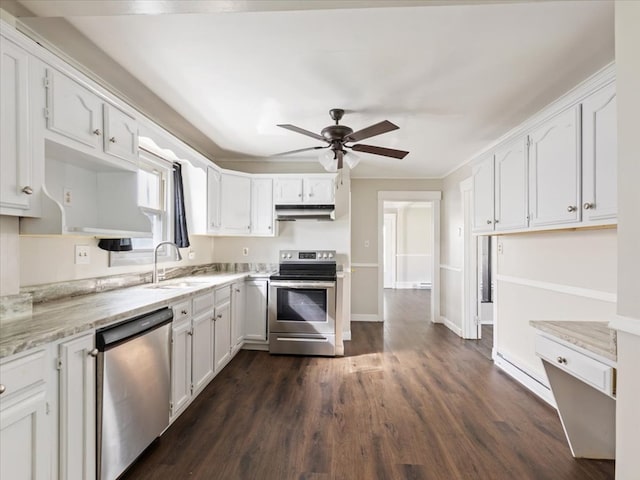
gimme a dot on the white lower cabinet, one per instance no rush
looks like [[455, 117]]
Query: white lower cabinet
[[180, 366], [238, 300], [77, 408], [222, 353], [25, 440], [255, 316], [202, 344]]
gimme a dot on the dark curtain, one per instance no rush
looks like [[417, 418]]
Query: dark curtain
[[181, 236], [115, 244]]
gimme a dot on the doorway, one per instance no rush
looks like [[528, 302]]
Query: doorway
[[389, 237]]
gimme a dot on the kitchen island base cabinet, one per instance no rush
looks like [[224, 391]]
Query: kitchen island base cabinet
[[77, 408], [25, 442]]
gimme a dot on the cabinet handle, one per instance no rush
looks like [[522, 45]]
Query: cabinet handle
[[237, 290], [183, 312], [190, 333], [93, 353], [2, 389], [588, 206], [561, 360], [218, 316], [299, 195], [112, 139], [27, 190], [97, 132], [495, 221], [311, 194], [269, 227], [489, 222], [571, 208]]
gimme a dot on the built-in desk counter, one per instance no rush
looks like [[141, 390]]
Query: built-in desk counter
[[580, 361]]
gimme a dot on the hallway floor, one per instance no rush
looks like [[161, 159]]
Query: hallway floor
[[410, 400]]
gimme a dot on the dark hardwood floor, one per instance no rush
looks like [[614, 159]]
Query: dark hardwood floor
[[410, 400]]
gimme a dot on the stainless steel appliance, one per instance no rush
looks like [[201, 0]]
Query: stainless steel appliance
[[302, 303], [133, 389]]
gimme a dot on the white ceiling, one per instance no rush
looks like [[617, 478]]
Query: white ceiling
[[453, 78]]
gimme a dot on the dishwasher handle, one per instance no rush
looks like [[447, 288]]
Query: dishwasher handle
[[112, 336]]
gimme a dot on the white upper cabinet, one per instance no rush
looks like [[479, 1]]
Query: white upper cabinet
[[511, 186], [599, 155], [554, 170], [483, 213], [214, 185], [78, 114], [288, 190], [319, 190], [120, 134], [316, 189], [235, 204], [17, 187], [262, 207]]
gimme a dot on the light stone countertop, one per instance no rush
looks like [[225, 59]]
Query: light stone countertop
[[595, 337], [62, 318]]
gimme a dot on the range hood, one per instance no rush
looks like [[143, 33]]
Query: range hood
[[288, 213]]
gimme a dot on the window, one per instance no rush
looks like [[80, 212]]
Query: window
[[154, 193]]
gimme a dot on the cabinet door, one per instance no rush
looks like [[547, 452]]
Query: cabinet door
[[554, 170], [16, 185], [511, 195], [483, 214], [77, 409], [287, 190], [238, 299], [599, 155], [120, 134], [255, 318], [222, 335], [319, 191], [73, 111], [202, 350], [213, 200], [180, 366], [235, 202], [262, 206]]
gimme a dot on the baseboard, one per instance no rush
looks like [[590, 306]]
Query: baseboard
[[525, 379], [365, 317], [412, 286], [486, 322], [346, 336], [451, 326], [264, 347]]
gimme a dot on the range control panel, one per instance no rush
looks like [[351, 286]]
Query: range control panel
[[303, 256]]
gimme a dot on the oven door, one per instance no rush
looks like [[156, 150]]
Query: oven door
[[297, 306]]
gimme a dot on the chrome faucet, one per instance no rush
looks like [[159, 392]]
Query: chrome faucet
[[154, 278]]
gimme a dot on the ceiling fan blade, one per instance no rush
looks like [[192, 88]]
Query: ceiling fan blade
[[293, 128], [300, 150], [386, 152], [377, 129]]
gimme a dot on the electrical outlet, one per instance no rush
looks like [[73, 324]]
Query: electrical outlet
[[82, 255], [500, 248], [366, 244], [67, 197], [191, 254], [245, 251]]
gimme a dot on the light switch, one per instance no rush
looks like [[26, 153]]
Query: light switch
[[245, 251], [82, 255]]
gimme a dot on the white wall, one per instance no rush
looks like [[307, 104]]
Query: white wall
[[9, 256], [628, 80]]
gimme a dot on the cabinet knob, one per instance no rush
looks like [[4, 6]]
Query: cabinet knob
[[112, 139], [183, 312], [269, 227], [219, 316], [311, 194], [588, 206], [299, 195], [190, 333], [93, 353], [2, 389], [561, 360], [97, 132], [27, 190], [488, 222], [571, 208], [495, 221]]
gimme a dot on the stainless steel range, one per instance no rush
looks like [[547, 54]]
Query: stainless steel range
[[302, 303]]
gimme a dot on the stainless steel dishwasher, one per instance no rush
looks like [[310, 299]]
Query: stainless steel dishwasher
[[133, 389]]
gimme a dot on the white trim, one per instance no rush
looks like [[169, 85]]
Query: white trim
[[412, 286], [410, 195], [365, 317], [626, 324], [364, 265], [346, 336], [450, 268], [451, 326], [526, 378], [413, 254], [469, 280], [559, 288]]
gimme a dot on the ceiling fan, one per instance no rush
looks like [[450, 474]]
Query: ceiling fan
[[338, 136]]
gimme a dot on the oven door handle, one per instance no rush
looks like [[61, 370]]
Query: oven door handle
[[302, 284]]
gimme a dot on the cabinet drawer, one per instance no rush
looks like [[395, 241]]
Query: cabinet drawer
[[223, 294], [202, 303], [23, 372], [181, 311], [590, 371]]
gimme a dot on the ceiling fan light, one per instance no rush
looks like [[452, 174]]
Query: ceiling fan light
[[328, 161], [352, 159]]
